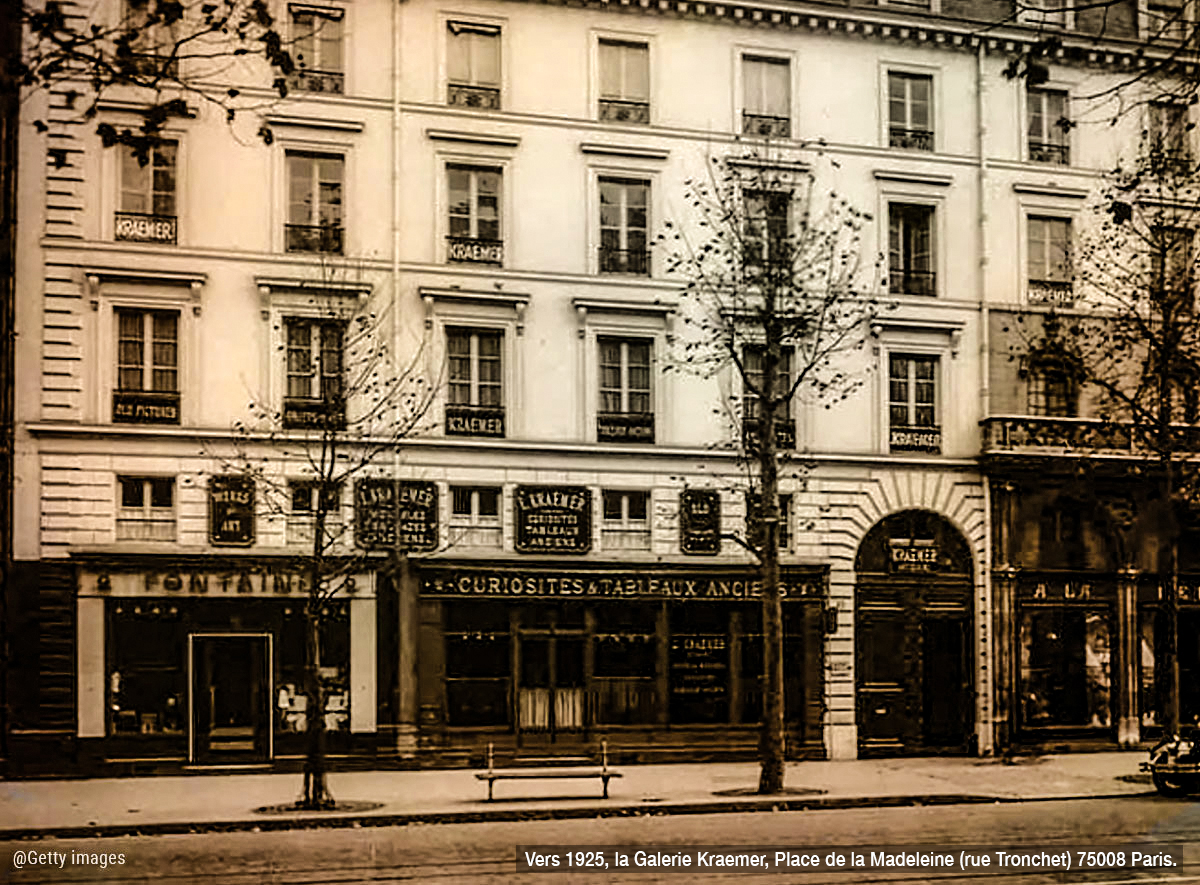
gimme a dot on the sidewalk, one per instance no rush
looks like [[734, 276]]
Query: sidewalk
[[228, 802]]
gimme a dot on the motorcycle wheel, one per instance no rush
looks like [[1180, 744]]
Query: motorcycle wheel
[[1170, 785]]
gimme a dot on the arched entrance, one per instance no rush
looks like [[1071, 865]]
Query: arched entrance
[[913, 635]]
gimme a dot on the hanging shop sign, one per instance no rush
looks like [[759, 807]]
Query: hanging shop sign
[[700, 521], [553, 519], [231, 511], [391, 514], [568, 583]]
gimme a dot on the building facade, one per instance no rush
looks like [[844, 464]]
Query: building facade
[[488, 181]]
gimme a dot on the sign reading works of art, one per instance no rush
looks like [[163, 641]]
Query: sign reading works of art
[[390, 514], [700, 521], [231, 511], [582, 584], [553, 519]]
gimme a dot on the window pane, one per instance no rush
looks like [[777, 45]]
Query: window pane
[[458, 56], [489, 502], [637, 505], [460, 498], [612, 505], [135, 184], [610, 71], [161, 492], [637, 73], [486, 57], [131, 492]]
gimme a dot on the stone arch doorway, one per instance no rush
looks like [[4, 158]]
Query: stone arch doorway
[[914, 631]]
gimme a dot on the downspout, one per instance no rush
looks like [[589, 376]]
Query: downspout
[[987, 689]]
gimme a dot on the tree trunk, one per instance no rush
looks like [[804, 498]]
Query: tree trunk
[[1170, 605], [316, 789]]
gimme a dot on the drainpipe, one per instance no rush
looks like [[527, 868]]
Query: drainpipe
[[986, 734]]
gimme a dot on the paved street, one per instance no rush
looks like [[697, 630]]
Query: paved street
[[486, 852]]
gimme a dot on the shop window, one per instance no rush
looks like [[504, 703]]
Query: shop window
[[699, 664], [1047, 126], [766, 97], [624, 222], [913, 404], [626, 524], [315, 203], [148, 213], [1065, 676], [147, 367], [475, 404], [752, 377], [317, 50], [473, 66], [475, 516], [147, 691], [473, 228], [304, 503], [625, 655], [754, 525], [624, 82], [478, 665], [910, 111], [314, 374], [290, 702], [1151, 629], [910, 253], [147, 508], [625, 413]]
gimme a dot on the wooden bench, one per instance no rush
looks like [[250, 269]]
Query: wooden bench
[[548, 772]]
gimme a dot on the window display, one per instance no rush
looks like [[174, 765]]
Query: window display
[[1065, 675]]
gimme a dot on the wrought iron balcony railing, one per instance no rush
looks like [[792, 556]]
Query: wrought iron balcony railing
[[1043, 152], [313, 238], [1060, 293], [910, 139], [1066, 436], [613, 110], [330, 82], [142, 227], [766, 126], [480, 98], [912, 282], [631, 261]]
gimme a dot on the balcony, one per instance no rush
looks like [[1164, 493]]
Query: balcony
[[313, 238], [140, 227], [766, 126], [464, 420], [477, 98], [1041, 435], [926, 439], [628, 261], [912, 282], [302, 413], [1041, 152], [614, 110], [474, 250], [910, 139], [625, 427], [1058, 293], [328, 82]]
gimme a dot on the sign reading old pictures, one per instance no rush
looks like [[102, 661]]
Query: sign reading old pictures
[[700, 521], [553, 519], [142, 407], [231, 511], [390, 514]]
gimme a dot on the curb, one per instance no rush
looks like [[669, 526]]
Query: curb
[[509, 815]]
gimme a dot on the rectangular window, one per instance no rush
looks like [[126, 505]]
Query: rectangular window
[[1049, 13], [1048, 126], [146, 508], [152, 44], [768, 229], [754, 525], [624, 222], [475, 403], [1168, 140], [314, 396], [785, 427], [912, 404], [317, 51], [147, 390], [304, 498], [473, 65], [1049, 245], [474, 234], [624, 82], [147, 212], [475, 516], [626, 524], [1167, 21], [910, 111], [315, 207], [1052, 392], [625, 413], [766, 97], [910, 249], [1171, 269]]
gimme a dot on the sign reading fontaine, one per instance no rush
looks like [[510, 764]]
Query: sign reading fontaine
[[553, 519]]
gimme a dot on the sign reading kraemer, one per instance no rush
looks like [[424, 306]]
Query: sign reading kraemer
[[553, 519]]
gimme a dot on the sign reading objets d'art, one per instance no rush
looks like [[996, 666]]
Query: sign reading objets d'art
[[231, 511], [700, 521], [391, 514], [553, 519]]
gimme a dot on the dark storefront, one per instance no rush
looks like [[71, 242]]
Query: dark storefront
[[558, 655]]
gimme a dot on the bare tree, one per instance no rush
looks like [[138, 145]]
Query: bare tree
[[350, 401], [775, 287]]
